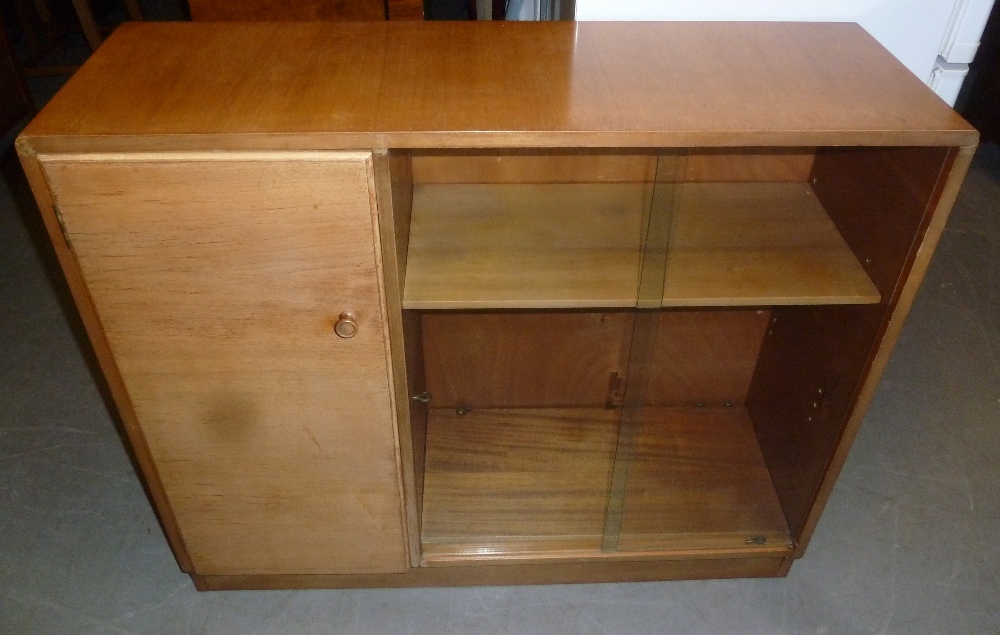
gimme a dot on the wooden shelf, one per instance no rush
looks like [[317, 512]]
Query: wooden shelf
[[533, 484], [698, 481], [746, 244], [524, 245], [577, 245]]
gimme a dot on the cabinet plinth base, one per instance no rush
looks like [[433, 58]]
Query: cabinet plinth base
[[503, 575]]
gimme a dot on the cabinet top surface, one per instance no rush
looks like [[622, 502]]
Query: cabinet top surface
[[483, 84]]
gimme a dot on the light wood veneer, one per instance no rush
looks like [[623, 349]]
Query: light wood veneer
[[218, 299], [219, 194], [533, 485], [553, 84], [476, 246]]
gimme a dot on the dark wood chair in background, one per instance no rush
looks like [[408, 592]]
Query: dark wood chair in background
[[37, 20], [288, 10], [44, 24], [15, 101]]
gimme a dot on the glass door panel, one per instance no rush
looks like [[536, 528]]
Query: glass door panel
[[657, 225], [523, 273]]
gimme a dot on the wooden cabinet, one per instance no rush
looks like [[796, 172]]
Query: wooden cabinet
[[372, 321]]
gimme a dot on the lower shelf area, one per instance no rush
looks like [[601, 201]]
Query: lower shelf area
[[533, 484]]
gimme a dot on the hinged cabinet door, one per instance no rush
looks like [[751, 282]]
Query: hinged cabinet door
[[241, 297]]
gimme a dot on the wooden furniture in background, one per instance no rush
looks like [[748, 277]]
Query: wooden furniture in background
[[88, 23], [44, 28], [15, 101], [291, 10], [371, 321]]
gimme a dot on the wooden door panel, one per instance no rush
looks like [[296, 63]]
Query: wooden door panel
[[218, 279]]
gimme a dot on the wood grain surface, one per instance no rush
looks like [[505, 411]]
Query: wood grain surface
[[218, 278], [532, 166], [940, 200], [830, 349], [524, 359], [212, 238], [759, 244], [525, 245], [152, 483], [748, 165], [561, 245], [502, 481], [607, 166], [753, 565], [487, 84], [532, 483], [704, 357], [496, 360], [698, 481]]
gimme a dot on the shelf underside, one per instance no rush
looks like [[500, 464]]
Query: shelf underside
[[533, 484], [485, 246]]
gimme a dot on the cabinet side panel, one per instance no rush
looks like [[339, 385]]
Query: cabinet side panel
[[940, 201], [814, 360], [218, 281], [102, 351]]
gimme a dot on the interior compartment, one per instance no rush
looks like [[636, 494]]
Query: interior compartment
[[521, 277], [523, 422], [568, 230]]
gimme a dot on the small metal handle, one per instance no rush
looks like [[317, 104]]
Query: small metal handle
[[422, 397], [347, 325]]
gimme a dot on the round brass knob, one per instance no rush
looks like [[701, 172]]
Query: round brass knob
[[347, 325]]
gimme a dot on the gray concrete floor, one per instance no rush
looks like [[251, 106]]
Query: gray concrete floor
[[910, 542]]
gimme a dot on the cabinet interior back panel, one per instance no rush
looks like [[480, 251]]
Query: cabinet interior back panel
[[715, 165], [523, 360], [218, 281], [496, 360]]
